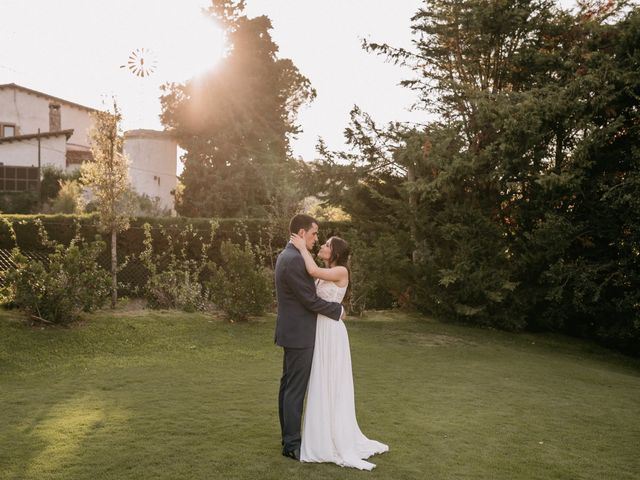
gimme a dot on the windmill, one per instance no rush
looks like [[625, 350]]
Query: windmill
[[142, 64]]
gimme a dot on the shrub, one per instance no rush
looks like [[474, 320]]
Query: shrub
[[69, 282], [175, 288], [381, 273], [18, 202], [53, 178], [240, 286], [69, 198], [175, 277]]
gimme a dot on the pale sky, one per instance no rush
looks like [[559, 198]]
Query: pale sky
[[73, 49]]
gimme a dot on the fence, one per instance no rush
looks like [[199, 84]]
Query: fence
[[133, 276], [130, 243]]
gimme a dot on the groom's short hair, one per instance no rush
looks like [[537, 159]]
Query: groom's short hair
[[301, 221]]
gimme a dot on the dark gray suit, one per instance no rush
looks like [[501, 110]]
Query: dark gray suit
[[298, 306]]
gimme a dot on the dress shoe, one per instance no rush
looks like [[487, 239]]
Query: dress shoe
[[295, 453]]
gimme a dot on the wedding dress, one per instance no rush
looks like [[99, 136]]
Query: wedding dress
[[330, 430]]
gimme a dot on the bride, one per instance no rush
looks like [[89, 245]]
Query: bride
[[330, 430]]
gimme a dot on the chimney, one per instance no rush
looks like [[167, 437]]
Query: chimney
[[54, 117]]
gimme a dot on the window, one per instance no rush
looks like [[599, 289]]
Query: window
[[7, 130], [18, 179]]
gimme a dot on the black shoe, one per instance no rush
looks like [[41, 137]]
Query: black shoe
[[295, 453]]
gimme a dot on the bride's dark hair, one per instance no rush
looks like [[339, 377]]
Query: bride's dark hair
[[340, 252]]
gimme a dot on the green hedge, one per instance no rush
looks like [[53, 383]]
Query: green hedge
[[379, 271], [130, 242], [62, 229]]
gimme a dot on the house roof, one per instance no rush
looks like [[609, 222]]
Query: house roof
[[145, 133], [45, 95], [78, 157], [19, 138]]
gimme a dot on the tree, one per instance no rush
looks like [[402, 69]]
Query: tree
[[519, 197], [236, 121], [108, 178]]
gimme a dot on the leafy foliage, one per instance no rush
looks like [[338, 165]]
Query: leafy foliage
[[380, 273], [69, 198], [240, 286], [18, 202], [108, 177], [235, 123], [175, 277], [57, 290], [108, 174], [520, 198]]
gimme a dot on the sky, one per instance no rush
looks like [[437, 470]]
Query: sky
[[74, 49]]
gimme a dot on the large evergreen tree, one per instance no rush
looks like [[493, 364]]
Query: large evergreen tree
[[236, 121], [520, 197]]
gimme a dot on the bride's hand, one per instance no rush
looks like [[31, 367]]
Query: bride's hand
[[298, 242]]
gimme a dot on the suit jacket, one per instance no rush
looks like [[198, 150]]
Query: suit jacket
[[298, 303]]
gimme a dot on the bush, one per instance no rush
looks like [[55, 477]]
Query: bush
[[381, 272], [18, 202], [240, 286], [463, 270], [68, 200], [69, 282], [177, 289], [174, 277], [131, 241], [53, 178]]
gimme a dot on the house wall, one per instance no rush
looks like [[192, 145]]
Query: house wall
[[30, 112], [152, 154], [25, 153], [152, 157]]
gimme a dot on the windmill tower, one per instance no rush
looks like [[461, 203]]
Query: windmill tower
[[141, 65], [153, 154]]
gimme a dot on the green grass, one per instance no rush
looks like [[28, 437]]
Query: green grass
[[167, 395]]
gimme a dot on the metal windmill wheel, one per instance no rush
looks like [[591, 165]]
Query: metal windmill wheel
[[141, 63]]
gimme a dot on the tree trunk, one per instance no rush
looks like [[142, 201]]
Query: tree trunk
[[413, 209], [114, 268]]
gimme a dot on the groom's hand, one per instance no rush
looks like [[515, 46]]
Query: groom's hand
[[344, 314]]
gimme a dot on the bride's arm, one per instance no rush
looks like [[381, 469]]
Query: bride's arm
[[333, 274]]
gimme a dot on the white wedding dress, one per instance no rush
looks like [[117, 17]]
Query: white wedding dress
[[330, 431]]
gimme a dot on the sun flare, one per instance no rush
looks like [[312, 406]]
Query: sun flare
[[196, 45]]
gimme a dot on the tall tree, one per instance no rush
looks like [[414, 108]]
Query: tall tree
[[442, 181], [235, 122], [108, 178], [521, 201]]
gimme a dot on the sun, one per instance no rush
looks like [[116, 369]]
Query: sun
[[197, 44]]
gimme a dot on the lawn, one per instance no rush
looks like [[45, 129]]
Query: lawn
[[167, 395]]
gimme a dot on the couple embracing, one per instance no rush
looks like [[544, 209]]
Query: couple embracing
[[317, 360]]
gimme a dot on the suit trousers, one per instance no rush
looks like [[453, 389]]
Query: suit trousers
[[296, 368]]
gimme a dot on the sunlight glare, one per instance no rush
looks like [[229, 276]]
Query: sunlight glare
[[195, 46]]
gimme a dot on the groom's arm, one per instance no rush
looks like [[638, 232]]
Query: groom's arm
[[305, 291]]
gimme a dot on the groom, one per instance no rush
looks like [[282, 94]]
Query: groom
[[298, 306]]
